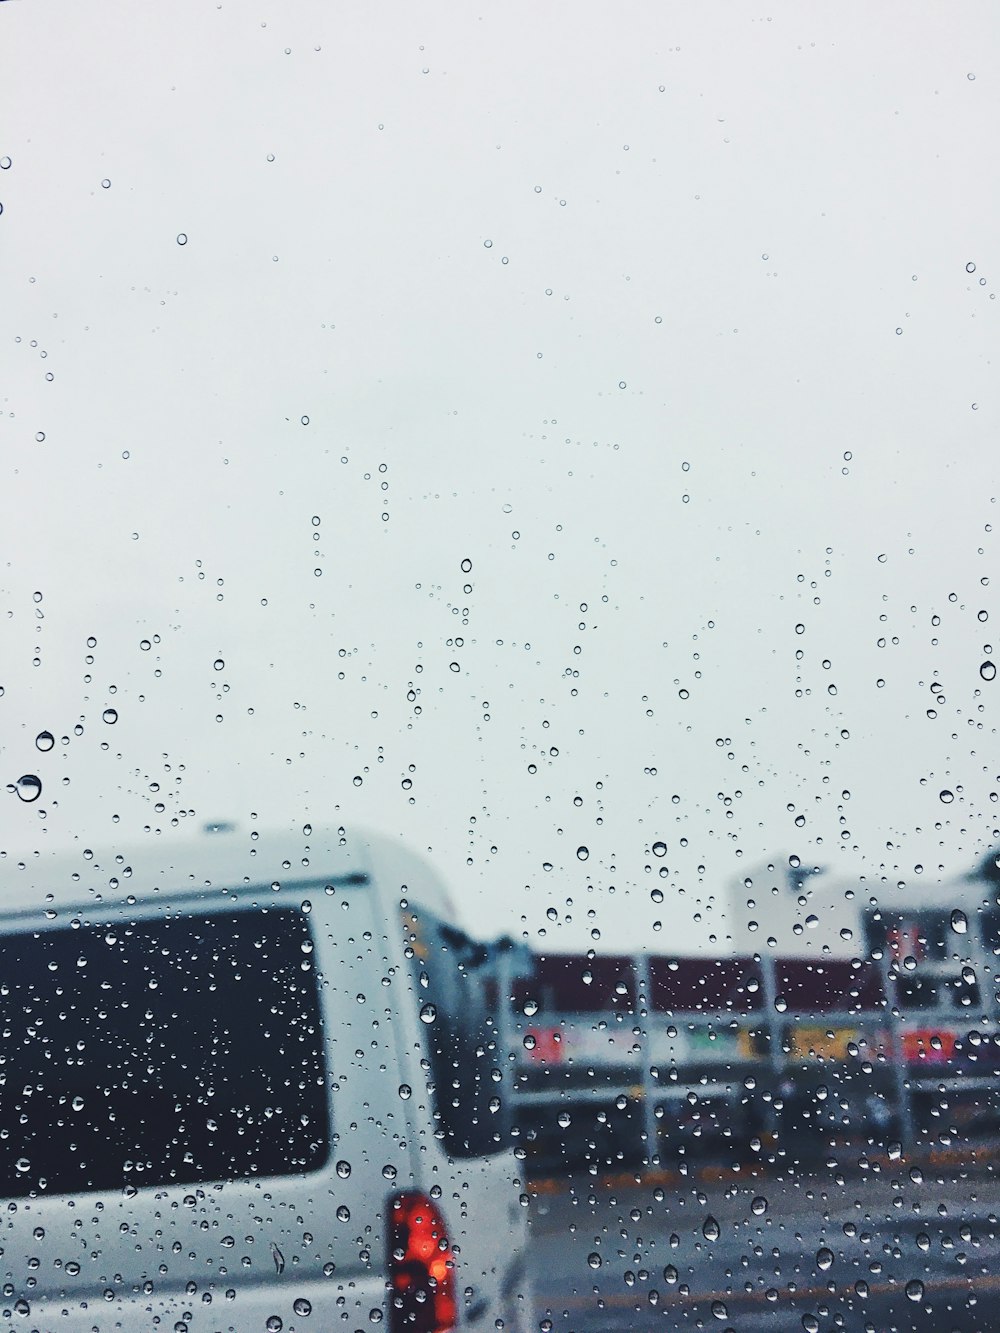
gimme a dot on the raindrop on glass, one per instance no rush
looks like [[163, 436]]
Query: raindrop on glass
[[44, 740], [28, 787]]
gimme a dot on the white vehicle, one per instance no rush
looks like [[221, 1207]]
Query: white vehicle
[[250, 1083]]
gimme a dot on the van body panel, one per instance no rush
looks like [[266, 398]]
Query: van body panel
[[227, 1253]]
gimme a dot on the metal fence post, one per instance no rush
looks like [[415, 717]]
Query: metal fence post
[[644, 1015], [897, 1055], [775, 1055]]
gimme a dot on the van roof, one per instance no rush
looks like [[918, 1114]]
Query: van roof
[[221, 856]]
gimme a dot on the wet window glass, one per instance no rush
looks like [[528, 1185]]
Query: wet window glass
[[453, 991], [148, 1052], [511, 491]]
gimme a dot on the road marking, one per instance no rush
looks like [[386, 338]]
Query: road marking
[[870, 1166], [621, 1300]]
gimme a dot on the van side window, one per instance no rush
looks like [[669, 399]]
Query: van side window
[[460, 1039], [160, 1051]]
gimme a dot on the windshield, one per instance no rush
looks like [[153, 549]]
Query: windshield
[[552, 449]]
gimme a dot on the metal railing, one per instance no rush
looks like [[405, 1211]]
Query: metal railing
[[879, 1067]]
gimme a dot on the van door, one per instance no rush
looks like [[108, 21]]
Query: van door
[[200, 1121]]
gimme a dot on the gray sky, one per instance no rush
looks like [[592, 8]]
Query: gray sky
[[663, 317]]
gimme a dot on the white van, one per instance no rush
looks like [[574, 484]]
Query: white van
[[250, 1083]]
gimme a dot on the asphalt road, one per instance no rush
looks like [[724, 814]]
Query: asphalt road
[[779, 1255]]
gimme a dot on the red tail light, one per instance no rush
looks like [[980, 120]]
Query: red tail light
[[421, 1267]]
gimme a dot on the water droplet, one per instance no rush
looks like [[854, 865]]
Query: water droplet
[[428, 1013], [758, 1205], [959, 921], [719, 1310], [44, 740], [274, 1324], [582, 853], [970, 267], [659, 849], [594, 1259], [810, 1323], [302, 1307], [988, 670], [77, 1103], [530, 1008], [710, 1229], [28, 787], [564, 1119], [218, 664], [182, 238], [110, 716], [670, 1274], [466, 566], [23, 1165], [824, 1258], [343, 1169], [405, 1092], [278, 1257], [914, 1289], [946, 797]]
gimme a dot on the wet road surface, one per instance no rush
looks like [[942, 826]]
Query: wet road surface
[[768, 1255]]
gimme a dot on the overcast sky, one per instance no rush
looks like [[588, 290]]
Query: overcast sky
[[675, 322]]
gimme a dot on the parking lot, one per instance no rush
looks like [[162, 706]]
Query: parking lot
[[787, 1252]]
